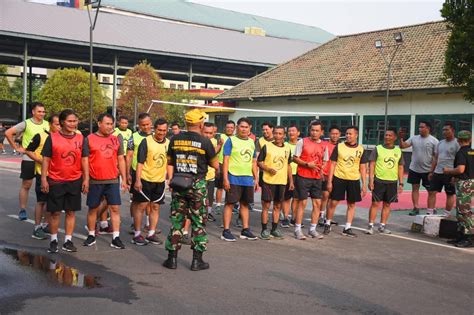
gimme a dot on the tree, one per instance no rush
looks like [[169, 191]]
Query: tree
[[4, 87], [143, 83], [17, 90], [459, 60], [175, 113], [69, 88]]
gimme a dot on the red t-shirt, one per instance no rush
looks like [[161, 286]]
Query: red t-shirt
[[103, 156], [312, 152]]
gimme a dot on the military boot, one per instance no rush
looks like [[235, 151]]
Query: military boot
[[172, 261], [198, 263]]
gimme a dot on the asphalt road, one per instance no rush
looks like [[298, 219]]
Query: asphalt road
[[405, 273]]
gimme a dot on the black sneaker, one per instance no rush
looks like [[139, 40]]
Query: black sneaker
[[327, 229], [292, 222], [154, 239], [414, 212], [53, 247], [69, 247], [348, 232], [210, 217], [285, 223], [247, 235], [89, 241], [117, 243], [139, 240]]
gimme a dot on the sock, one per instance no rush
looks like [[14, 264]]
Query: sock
[[328, 222], [151, 232], [103, 224], [147, 220], [322, 215], [67, 238], [218, 204], [312, 227], [137, 233], [44, 225], [348, 226], [297, 227], [115, 234], [54, 237], [274, 226], [264, 226], [382, 225], [38, 227], [371, 224], [92, 233]]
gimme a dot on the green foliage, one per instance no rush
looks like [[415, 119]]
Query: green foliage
[[459, 61], [69, 88], [17, 90], [4, 87], [175, 113]]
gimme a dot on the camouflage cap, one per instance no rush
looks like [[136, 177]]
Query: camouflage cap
[[464, 135]]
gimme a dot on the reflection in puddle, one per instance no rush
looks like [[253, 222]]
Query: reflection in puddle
[[55, 271]]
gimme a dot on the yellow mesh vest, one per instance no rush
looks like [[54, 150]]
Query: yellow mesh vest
[[137, 139], [386, 165], [294, 166], [154, 168], [221, 152], [276, 158], [241, 157], [348, 162], [211, 172], [126, 135], [31, 129], [43, 136]]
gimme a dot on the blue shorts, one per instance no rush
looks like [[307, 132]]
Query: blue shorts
[[111, 193]]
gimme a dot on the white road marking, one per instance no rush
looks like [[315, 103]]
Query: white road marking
[[430, 243], [10, 170], [77, 235]]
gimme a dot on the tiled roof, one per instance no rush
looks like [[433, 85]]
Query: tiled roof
[[352, 64]]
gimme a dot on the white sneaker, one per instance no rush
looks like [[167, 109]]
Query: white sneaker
[[299, 235], [370, 230], [315, 234]]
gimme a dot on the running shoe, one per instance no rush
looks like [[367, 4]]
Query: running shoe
[[139, 240], [247, 235], [117, 243], [464, 243], [154, 239], [106, 230], [315, 234], [39, 234], [46, 229], [327, 229], [414, 212], [265, 235], [348, 232], [53, 247], [228, 236], [285, 223], [89, 241], [384, 230], [69, 247], [370, 230], [210, 217], [292, 222], [22, 216], [277, 234], [218, 210], [321, 222], [299, 235]]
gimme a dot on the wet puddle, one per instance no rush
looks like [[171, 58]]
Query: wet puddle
[[54, 271]]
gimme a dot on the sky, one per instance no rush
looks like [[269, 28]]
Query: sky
[[339, 17]]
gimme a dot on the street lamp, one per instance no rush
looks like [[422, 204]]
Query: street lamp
[[398, 37], [92, 22]]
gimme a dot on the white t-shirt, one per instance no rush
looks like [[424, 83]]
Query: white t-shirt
[[424, 149]]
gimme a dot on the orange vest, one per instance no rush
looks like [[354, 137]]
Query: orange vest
[[103, 160], [312, 152], [66, 158]]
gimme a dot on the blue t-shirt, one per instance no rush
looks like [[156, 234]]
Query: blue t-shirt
[[238, 180]]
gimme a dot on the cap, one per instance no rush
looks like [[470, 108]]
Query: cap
[[464, 135], [195, 116]]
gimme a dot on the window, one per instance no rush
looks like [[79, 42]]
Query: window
[[105, 80], [341, 121], [373, 132], [461, 122], [119, 81], [257, 124], [173, 86], [193, 86], [180, 86]]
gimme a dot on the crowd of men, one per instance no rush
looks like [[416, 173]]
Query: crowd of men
[[196, 162]]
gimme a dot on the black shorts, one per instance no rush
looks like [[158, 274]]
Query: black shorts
[[64, 196], [219, 178], [239, 193], [133, 174], [415, 178], [384, 191], [111, 193], [438, 181], [305, 186], [343, 187], [274, 193], [40, 196], [210, 192], [27, 169], [324, 185], [151, 192], [290, 193]]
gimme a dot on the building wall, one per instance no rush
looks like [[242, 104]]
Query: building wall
[[405, 110]]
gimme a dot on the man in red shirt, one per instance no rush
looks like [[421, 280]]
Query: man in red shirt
[[106, 160], [64, 173], [311, 156]]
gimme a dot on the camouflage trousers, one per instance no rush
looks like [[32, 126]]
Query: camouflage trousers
[[464, 193], [190, 204]]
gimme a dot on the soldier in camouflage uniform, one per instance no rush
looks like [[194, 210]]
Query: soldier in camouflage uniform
[[464, 179], [189, 155]]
